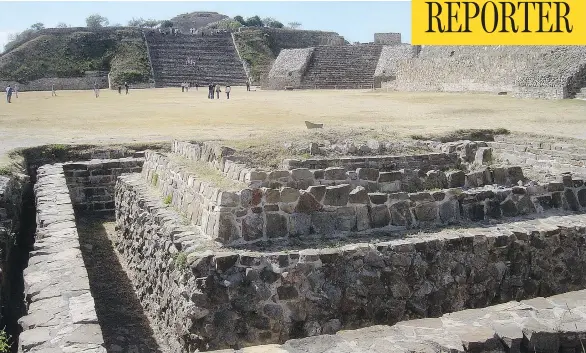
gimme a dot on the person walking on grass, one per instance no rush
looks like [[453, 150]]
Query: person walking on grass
[[119, 89], [228, 89], [210, 91], [9, 91], [126, 87], [53, 93], [96, 89], [16, 91], [218, 91], [247, 86]]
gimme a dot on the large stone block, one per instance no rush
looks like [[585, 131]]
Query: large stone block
[[426, 212], [276, 225], [388, 177], [362, 217], [252, 226], [401, 214], [337, 195], [323, 222], [335, 173], [289, 195], [317, 191], [456, 178], [302, 174], [307, 203], [346, 218], [449, 211], [367, 174], [299, 224], [358, 195], [379, 216]]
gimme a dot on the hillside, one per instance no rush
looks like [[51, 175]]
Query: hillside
[[71, 52]]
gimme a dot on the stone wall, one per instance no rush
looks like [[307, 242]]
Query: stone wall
[[543, 159], [11, 191], [232, 299], [91, 184], [441, 161], [553, 72], [387, 38], [513, 327], [289, 68], [299, 203], [62, 83], [386, 69], [61, 314]]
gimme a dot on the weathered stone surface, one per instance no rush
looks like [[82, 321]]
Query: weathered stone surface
[[379, 216], [572, 200], [335, 173], [307, 203], [276, 225], [289, 195], [317, 191], [387, 177], [337, 195], [252, 226], [368, 174], [401, 214], [456, 178], [301, 174], [272, 196], [426, 212], [299, 224], [359, 195], [56, 279], [378, 198], [346, 218]]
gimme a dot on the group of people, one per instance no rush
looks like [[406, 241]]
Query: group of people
[[212, 87]]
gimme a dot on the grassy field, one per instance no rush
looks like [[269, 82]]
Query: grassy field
[[269, 116]]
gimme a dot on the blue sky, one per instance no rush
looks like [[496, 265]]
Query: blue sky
[[357, 21]]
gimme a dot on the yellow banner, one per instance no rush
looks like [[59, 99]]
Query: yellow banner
[[482, 22]]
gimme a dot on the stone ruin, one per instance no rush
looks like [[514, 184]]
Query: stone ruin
[[549, 72], [451, 250]]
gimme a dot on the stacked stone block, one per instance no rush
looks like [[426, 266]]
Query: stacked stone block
[[242, 298], [91, 184], [61, 314]]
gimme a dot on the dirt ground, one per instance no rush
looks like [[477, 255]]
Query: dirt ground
[[36, 118]]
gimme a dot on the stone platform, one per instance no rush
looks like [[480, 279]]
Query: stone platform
[[546, 325]]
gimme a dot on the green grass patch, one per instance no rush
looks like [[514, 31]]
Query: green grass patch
[[180, 260], [257, 49], [5, 344], [463, 134], [167, 200]]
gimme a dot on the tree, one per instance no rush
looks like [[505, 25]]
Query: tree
[[240, 19], [254, 21], [62, 25], [151, 23], [136, 22], [276, 24], [37, 26], [294, 25], [96, 21], [166, 24], [267, 21]]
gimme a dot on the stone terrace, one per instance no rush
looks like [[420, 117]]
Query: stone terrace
[[554, 324], [196, 59], [343, 66]]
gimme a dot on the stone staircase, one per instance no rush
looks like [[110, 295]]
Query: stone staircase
[[581, 94], [196, 59], [342, 67]]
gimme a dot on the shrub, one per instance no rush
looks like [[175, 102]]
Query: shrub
[[168, 200], [180, 259], [5, 345]]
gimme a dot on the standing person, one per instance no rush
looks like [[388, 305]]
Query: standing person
[[119, 89], [183, 87], [9, 91], [228, 89], [247, 86], [126, 87], [53, 93], [211, 91], [16, 91], [218, 91], [196, 86], [96, 89]]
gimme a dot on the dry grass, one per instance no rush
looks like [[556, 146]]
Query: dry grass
[[163, 114], [204, 171]]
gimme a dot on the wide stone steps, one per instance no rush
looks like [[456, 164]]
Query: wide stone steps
[[343, 66], [189, 58]]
